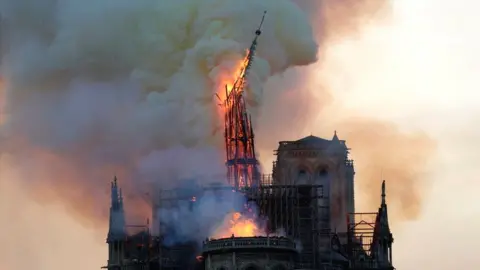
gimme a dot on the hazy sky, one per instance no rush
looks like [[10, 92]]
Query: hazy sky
[[420, 70]]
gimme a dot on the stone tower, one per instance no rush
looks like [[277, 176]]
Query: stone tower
[[316, 161], [116, 231]]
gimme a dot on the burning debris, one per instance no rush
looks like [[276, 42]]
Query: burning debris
[[238, 225]]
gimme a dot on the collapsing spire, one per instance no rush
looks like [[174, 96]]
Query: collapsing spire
[[239, 136], [116, 229]]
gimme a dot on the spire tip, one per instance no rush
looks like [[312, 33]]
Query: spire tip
[[383, 192], [259, 30]]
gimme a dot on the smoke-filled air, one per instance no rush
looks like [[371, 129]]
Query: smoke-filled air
[[92, 89], [128, 88]]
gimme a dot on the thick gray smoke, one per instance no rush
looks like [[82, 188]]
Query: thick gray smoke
[[201, 216], [95, 88]]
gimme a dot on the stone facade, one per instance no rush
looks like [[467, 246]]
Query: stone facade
[[316, 161], [249, 253], [310, 195]]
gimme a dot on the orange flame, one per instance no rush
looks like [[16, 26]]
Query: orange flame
[[239, 226], [227, 80]]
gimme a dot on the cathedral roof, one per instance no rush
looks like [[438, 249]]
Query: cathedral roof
[[313, 140]]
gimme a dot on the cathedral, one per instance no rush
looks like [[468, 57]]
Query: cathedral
[[310, 196]]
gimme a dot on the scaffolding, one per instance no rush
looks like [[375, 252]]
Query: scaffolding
[[361, 230], [172, 256], [136, 250], [298, 212], [301, 212]]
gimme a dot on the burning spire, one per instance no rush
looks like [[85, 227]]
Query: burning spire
[[241, 162]]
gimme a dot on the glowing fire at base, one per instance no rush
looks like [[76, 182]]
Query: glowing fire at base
[[238, 225]]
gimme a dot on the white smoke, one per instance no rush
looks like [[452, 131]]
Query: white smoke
[[188, 220], [102, 87]]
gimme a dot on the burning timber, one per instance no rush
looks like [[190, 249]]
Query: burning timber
[[306, 215]]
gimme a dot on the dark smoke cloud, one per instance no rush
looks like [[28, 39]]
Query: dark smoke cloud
[[97, 88], [100, 88]]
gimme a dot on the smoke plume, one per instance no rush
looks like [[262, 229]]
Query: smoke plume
[[213, 213], [96, 88], [304, 100]]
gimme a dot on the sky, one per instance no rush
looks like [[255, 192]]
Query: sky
[[419, 70]]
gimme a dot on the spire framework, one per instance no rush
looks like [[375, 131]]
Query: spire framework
[[242, 164]]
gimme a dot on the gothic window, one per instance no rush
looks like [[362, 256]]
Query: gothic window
[[302, 177], [322, 176], [323, 172]]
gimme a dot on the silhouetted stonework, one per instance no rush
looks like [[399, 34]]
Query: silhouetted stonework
[[246, 253]]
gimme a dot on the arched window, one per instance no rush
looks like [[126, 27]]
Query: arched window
[[322, 176], [323, 172], [302, 177]]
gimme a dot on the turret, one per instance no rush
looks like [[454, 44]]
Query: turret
[[335, 137], [116, 228], [383, 239], [116, 231]]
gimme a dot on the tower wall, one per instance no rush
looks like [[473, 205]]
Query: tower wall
[[316, 161]]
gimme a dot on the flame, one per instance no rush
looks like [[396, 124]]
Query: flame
[[228, 80], [239, 226]]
